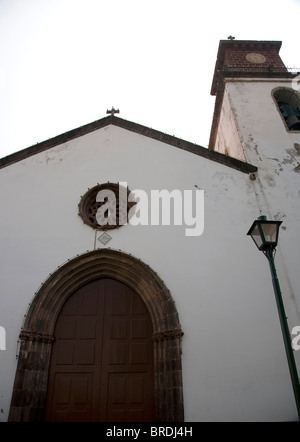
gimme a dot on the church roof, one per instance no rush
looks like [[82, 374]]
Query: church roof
[[133, 127]]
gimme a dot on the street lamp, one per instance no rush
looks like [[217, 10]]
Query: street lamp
[[265, 235]]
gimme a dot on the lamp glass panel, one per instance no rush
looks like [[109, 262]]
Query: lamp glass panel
[[256, 236], [270, 232]]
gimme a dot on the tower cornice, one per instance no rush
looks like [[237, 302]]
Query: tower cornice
[[233, 59]]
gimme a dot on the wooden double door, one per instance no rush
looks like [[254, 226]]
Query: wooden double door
[[102, 359]]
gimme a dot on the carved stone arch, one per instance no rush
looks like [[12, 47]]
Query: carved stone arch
[[288, 104], [30, 387]]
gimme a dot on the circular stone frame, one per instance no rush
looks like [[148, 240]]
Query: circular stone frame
[[89, 206]]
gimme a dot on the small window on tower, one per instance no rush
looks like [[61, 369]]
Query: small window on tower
[[288, 101]]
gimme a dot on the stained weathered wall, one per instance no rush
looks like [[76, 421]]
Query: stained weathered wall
[[233, 360]]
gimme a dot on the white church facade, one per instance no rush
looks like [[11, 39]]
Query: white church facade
[[130, 290]]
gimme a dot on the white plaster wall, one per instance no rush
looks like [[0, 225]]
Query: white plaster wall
[[268, 145], [228, 140], [250, 112], [234, 365]]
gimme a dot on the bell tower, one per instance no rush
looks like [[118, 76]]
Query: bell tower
[[257, 107]]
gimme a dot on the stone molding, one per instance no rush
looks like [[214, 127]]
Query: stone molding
[[31, 380], [38, 337]]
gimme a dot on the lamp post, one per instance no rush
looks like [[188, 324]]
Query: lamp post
[[265, 235]]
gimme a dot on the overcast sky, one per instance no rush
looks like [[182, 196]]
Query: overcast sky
[[63, 63]]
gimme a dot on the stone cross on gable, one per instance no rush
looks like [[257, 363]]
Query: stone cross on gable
[[113, 111]]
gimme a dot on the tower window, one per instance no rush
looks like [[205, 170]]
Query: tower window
[[288, 101]]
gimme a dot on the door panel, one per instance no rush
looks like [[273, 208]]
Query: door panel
[[73, 397], [102, 359], [128, 398]]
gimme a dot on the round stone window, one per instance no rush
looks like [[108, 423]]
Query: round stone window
[[105, 206]]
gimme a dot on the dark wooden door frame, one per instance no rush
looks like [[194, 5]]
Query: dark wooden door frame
[[30, 386]]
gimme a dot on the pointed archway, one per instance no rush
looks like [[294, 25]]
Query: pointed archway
[[37, 335]]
